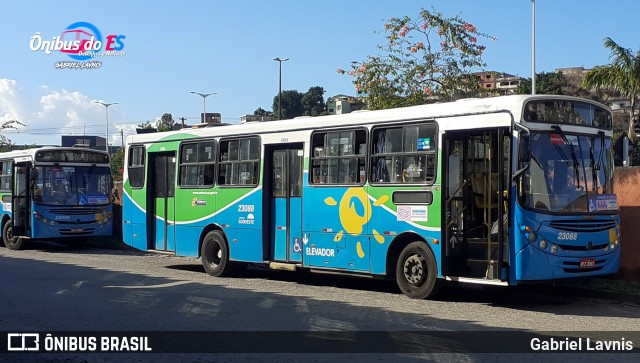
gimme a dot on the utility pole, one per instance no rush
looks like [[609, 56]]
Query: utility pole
[[122, 137], [533, 47], [183, 119], [106, 107], [204, 103], [280, 60]]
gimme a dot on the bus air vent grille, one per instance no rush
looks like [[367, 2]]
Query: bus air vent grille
[[583, 226], [75, 212]]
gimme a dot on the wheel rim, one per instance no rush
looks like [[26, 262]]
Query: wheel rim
[[214, 258], [415, 269], [9, 237]]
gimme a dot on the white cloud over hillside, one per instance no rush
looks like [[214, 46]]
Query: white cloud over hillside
[[47, 114]]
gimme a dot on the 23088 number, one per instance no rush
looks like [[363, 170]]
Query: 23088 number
[[567, 236], [246, 208]]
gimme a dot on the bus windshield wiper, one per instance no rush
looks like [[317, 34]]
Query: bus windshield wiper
[[602, 146], [573, 152], [594, 167]]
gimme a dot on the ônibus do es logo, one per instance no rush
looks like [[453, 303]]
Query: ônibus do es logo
[[83, 43]]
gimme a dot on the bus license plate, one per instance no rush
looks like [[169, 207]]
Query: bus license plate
[[77, 230], [587, 263]]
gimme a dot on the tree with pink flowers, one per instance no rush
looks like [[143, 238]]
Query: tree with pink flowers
[[427, 59]]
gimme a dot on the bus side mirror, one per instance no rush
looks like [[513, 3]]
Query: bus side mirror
[[524, 149]]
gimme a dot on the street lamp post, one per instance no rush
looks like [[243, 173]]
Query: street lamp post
[[106, 107], [280, 60], [533, 47], [204, 103]]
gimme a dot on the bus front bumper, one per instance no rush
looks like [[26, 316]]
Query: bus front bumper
[[534, 264]]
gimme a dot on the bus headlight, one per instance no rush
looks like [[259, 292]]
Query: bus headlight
[[554, 248], [529, 233], [53, 223], [542, 244], [37, 215], [45, 221]]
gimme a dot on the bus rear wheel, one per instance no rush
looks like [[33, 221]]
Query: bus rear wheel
[[416, 271], [10, 241], [215, 255]]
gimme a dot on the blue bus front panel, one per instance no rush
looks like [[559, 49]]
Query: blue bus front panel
[[553, 247], [59, 222]]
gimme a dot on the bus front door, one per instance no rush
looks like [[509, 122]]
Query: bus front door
[[285, 180], [161, 218], [476, 177], [21, 200]]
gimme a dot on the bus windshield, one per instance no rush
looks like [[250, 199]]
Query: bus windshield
[[72, 185], [569, 173]]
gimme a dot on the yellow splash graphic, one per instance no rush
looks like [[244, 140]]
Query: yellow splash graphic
[[383, 199], [353, 222], [379, 238], [330, 201], [359, 250]]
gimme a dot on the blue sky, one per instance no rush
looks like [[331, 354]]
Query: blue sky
[[227, 46]]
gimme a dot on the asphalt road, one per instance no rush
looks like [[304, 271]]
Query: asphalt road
[[54, 288]]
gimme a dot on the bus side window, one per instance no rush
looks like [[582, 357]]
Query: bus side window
[[403, 154], [338, 157]]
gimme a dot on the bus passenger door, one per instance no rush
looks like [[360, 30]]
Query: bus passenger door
[[476, 179], [21, 200], [162, 197], [285, 181]]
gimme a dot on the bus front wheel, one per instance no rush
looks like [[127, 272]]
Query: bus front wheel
[[416, 271], [10, 241], [215, 255]]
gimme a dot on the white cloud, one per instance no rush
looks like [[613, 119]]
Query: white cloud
[[14, 102], [53, 113]]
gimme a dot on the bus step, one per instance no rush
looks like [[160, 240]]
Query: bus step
[[481, 281], [477, 250], [162, 252], [283, 266], [482, 268]]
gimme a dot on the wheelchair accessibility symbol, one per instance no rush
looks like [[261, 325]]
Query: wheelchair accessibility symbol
[[297, 246]]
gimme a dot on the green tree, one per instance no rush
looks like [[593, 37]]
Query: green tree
[[117, 164], [5, 142], [291, 105], [429, 58], [165, 123], [145, 125], [547, 83], [261, 112], [623, 75], [313, 102]]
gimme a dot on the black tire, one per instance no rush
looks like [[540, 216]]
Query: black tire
[[215, 255], [416, 271], [11, 242]]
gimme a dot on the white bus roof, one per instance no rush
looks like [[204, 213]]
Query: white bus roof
[[441, 111], [32, 152]]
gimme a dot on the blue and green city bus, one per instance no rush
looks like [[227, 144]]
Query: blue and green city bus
[[55, 193], [501, 191]]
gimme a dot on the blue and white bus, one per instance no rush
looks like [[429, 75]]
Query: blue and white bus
[[55, 193], [501, 191]]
